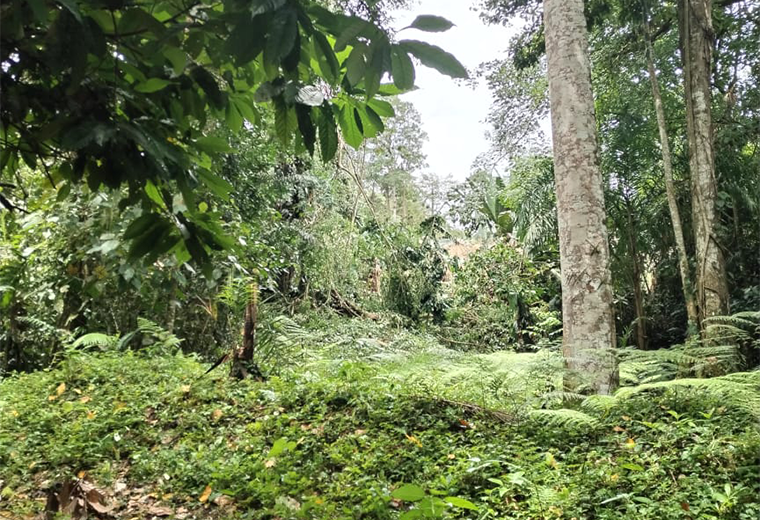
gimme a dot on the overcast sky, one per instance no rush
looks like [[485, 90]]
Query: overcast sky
[[453, 114]]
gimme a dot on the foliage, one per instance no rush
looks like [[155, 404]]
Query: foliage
[[504, 299], [335, 435], [130, 92]]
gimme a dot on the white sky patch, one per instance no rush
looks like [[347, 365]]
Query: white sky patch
[[453, 113]]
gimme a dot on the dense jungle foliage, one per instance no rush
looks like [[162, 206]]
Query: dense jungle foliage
[[231, 287]]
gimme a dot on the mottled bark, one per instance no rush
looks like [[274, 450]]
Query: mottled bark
[[587, 310], [696, 31], [667, 169]]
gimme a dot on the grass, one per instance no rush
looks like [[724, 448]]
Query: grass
[[363, 411]]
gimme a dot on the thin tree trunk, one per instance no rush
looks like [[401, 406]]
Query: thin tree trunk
[[667, 167], [587, 298], [696, 31], [638, 294]]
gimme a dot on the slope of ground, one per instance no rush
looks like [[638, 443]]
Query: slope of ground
[[338, 436]]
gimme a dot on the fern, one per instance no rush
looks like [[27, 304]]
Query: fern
[[95, 339], [162, 339], [572, 420], [740, 390]]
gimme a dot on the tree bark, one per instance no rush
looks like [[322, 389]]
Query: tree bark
[[587, 298], [696, 32], [667, 168]]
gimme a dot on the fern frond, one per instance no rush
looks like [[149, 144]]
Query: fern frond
[[565, 419], [740, 390], [95, 339]]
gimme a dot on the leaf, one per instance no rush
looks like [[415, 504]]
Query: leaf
[[61, 389], [278, 447], [436, 58], [328, 133], [379, 55], [402, 69], [461, 503], [431, 23], [409, 493], [327, 57], [204, 496], [355, 65], [382, 108], [218, 186], [306, 127], [282, 36], [211, 144], [177, 58], [350, 33], [247, 39], [350, 130], [152, 85], [282, 121], [140, 225], [632, 467]]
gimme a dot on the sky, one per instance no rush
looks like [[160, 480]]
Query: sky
[[453, 113]]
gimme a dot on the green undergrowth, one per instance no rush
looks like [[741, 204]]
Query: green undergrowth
[[334, 438]]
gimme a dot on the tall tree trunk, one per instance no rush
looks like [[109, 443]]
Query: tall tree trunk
[[587, 299], [696, 31], [667, 167]]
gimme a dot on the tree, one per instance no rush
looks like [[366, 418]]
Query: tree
[[588, 321], [697, 41], [667, 171], [123, 94]]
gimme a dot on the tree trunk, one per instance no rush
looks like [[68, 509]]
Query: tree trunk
[[667, 167], [636, 275], [243, 364], [695, 23], [587, 310]]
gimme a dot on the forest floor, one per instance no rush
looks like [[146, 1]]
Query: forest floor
[[364, 421]]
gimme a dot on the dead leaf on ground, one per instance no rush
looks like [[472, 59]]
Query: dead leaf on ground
[[85, 399], [77, 498], [61, 389], [160, 511], [223, 500], [204, 496], [217, 414]]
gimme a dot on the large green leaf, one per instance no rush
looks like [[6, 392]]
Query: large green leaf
[[326, 55], [328, 133], [435, 57], [461, 503], [306, 127], [402, 69], [356, 65], [409, 493], [282, 35], [349, 127], [218, 186], [430, 23], [152, 85], [211, 144]]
